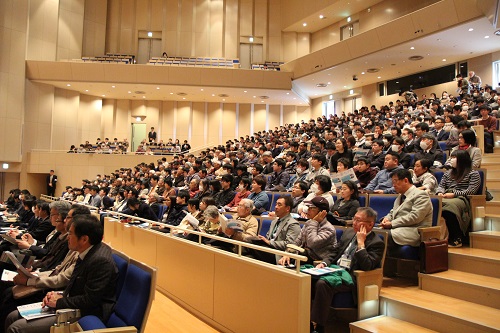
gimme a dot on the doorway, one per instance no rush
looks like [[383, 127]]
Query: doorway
[[250, 54], [148, 48], [138, 134]]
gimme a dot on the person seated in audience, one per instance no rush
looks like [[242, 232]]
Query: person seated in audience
[[243, 191], [467, 142], [439, 132], [412, 210], [457, 183], [398, 145], [291, 162], [283, 231], [175, 212], [204, 189], [258, 195], [95, 200], [54, 279], [364, 172], [169, 188], [212, 220], [376, 155], [429, 150], [279, 177], [145, 190], [317, 236], [321, 187], [194, 187], [422, 176], [300, 190], [359, 249], [92, 287], [318, 167], [249, 223], [342, 164], [346, 206], [225, 195], [382, 182], [193, 207], [141, 209], [342, 151], [301, 172]]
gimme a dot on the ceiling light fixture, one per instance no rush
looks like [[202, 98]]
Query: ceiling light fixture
[[112, 86], [68, 85], [157, 88], [349, 19], [412, 48], [86, 90], [486, 37], [471, 29], [321, 17], [304, 24], [444, 59], [150, 34], [351, 92], [250, 39]]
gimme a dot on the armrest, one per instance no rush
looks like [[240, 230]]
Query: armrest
[[477, 205], [67, 315], [127, 329], [364, 278], [427, 233]]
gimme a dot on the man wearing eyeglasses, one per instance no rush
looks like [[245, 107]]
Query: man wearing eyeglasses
[[359, 249], [438, 131]]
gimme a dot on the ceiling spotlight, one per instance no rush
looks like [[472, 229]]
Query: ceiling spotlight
[[321, 17], [150, 34], [304, 24], [412, 48], [349, 19], [363, 73], [137, 118], [444, 59], [250, 39], [143, 96], [103, 95], [471, 29], [129, 92], [112, 86], [86, 90], [379, 77], [157, 88], [486, 37], [68, 85], [202, 89]]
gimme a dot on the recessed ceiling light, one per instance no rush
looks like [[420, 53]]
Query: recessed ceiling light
[[304, 24], [349, 19], [294, 98], [363, 73], [245, 91], [86, 90], [143, 96], [379, 77], [201, 89], [103, 95], [254, 96], [262, 101], [444, 59], [412, 48], [471, 29], [171, 93], [129, 92], [157, 88], [183, 97], [345, 86], [112, 86], [288, 93], [329, 83], [68, 85], [223, 99], [321, 17], [486, 36], [213, 95]]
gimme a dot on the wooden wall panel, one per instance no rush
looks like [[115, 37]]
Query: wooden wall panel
[[244, 118], [214, 123], [259, 118], [183, 120], [198, 125], [274, 116], [289, 114], [167, 120], [228, 122]]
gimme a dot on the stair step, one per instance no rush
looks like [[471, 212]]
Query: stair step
[[486, 239], [384, 324], [477, 261], [438, 312], [493, 207], [492, 221], [480, 289]]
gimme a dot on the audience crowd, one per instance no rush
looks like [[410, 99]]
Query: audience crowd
[[390, 149]]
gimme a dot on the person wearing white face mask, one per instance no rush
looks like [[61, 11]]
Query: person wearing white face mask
[[321, 187], [430, 150], [455, 185], [397, 146]]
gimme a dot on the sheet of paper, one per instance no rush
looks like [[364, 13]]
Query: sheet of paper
[[35, 311]]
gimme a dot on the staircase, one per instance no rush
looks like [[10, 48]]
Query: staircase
[[466, 298]]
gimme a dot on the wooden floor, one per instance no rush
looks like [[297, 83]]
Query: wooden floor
[[166, 316]]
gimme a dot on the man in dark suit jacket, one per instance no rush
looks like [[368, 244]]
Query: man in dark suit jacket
[[438, 131], [359, 249], [92, 285], [51, 183]]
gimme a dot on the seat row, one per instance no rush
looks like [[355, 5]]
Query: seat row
[[195, 62], [135, 291]]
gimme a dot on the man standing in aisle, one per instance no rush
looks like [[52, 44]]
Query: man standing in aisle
[[51, 183]]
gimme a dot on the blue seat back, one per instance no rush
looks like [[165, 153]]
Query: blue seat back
[[161, 211], [270, 196], [439, 175], [436, 210], [482, 187], [442, 145], [265, 224], [134, 298], [122, 265], [338, 234], [362, 201], [382, 204]]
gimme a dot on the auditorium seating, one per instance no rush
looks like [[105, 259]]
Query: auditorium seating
[[195, 62], [133, 303]]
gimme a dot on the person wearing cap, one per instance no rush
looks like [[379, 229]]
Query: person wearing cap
[[359, 249], [317, 236]]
